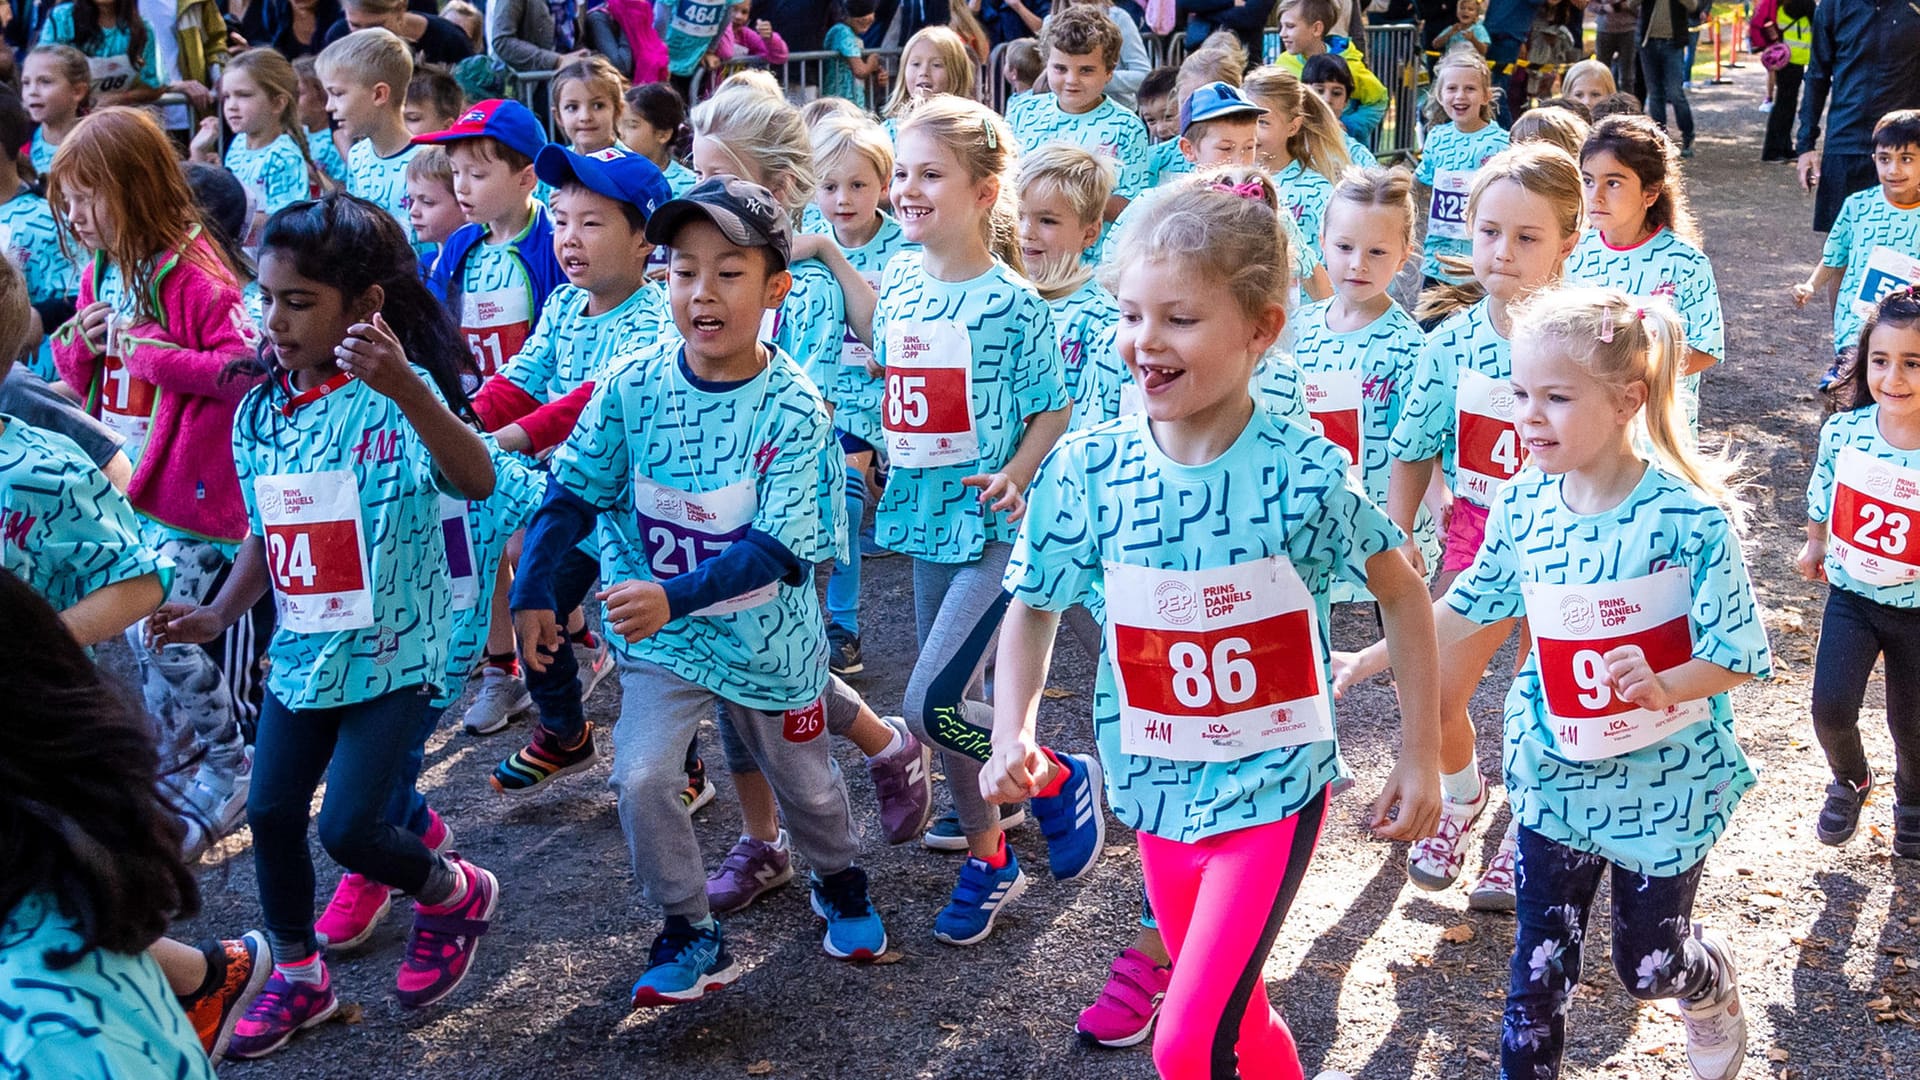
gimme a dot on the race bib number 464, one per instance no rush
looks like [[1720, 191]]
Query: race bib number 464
[[1876, 506]]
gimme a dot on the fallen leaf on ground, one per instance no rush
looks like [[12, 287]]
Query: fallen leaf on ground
[[891, 956], [948, 1025], [1478, 1054], [1880, 1004], [1458, 935], [760, 1068], [1055, 693], [1778, 1055], [350, 1013]]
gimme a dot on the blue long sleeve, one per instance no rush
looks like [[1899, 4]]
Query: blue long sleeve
[[756, 559], [562, 521]]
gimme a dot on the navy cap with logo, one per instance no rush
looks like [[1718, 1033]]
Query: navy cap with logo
[[745, 213], [1213, 101], [616, 172]]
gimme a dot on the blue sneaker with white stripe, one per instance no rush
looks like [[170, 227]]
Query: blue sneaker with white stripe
[[687, 962], [977, 899], [1073, 820]]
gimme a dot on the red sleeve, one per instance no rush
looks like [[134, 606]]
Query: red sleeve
[[550, 424], [500, 403]]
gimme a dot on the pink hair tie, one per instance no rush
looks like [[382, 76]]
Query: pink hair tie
[[1250, 189]]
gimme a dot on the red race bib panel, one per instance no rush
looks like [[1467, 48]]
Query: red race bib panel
[[495, 324], [1575, 626], [316, 550], [1487, 446], [1871, 527], [928, 412], [1215, 665], [1335, 406]]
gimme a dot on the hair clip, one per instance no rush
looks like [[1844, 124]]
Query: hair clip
[[1606, 325], [1639, 314], [1250, 189], [986, 128]]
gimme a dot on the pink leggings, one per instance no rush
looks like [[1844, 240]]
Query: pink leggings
[[1220, 902]]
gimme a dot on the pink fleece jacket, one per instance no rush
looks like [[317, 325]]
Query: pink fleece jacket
[[185, 477], [738, 40]]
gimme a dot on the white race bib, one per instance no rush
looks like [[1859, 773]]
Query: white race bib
[[110, 73], [1335, 404], [316, 550], [681, 530], [1215, 665], [1575, 626], [1487, 449], [461, 565], [1447, 215], [1887, 270], [495, 323], [1871, 526], [928, 414]]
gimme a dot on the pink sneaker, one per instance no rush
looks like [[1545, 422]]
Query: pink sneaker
[[354, 913], [1495, 890], [438, 837], [283, 1009], [1124, 1012], [444, 941]]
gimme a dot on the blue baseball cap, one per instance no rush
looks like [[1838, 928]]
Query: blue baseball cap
[[508, 121], [616, 172], [1213, 101]]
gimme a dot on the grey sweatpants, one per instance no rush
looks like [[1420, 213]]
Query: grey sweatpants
[[186, 690], [957, 609], [843, 708], [659, 713]]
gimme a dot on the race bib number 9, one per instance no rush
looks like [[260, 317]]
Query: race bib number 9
[[1576, 626], [316, 550], [1334, 405], [1871, 527], [1487, 446], [1887, 270], [928, 411], [1447, 215], [1215, 665]]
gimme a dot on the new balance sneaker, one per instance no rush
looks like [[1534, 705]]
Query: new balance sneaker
[[854, 931], [446, 938], [1072, 820], [1434, 863], [1124, 1012], [843, 651], [687, 963], [502, 697], [1494, 891], [1840, 817], [213, 803], [946, 834], [245, 964], [750, 870], [595, 666], [283, 1008], [1716, 1025], [977, 899], [544, 759], [903, 783], [359, 904], [698, 792]]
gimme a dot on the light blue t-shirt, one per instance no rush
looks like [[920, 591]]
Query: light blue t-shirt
[[680, 472], [569, 347], [42, 152], [1080, 319], [381, 180], [1656, 810], [1889, 532], [1428, 425], [691, 26], [855, 393], [497, 305], [1014, 373], [326, 154], [812, 322], [1167, 163], [1107, 129], [475, 535], [1867, 222], [275, 175], [354, 542], [64, 529], [1108, 495], [32, 240], [108, 55], [1664, 266], [108, 1016], [1447, 167], [1306, 193], [680, 179], [837, 78], [1362, 157]]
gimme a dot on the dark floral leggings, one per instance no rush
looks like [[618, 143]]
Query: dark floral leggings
[[1654, 951]]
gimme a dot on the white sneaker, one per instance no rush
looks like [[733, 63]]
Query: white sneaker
[[1434, 863], [1334, 1074], [1495, 889], [213, 803], [1716, 1027], [595, 667], [501, 698]]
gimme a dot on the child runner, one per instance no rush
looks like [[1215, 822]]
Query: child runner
[[1197, 70], [1310, 28], [1132, 513], [1551, 124], [345, 454], [119, 44], [1063, 191], [1300, 143], [1644, 242], [1359, 351], [57, 90], [586, 104], [159, 321], [1861, 509], [322, 147], [496, 271], [259, 95], [935, 61], [715, 463], [1465, 136], [1329, 76], [33, 244], [1524, 213], [655, 126], [433, 211], [365, 75], [845, 75], [743, 36], [1631, 707], [1159, 108], [434, 100], [1874, 246], [974, 398], [1021, 66], [1082, 46], [1587, 82]]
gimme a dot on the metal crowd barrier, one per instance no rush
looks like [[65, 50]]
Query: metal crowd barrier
[[1393, 54], [803, 75]]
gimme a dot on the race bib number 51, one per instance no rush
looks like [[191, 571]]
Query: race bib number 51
[[1876, 506]]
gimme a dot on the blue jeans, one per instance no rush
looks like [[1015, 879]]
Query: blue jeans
[[843, 585], [556, 691], [407, 808], [362, 751], [1665, 63]]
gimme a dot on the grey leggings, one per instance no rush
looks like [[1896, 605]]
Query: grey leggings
[[957, 609]]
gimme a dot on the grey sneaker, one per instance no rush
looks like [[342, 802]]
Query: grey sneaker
[[946, 835], [213, 803], [595, 666], [502, 697], [1716, 1026], [751, 869], [1840, 817], [903, 782]]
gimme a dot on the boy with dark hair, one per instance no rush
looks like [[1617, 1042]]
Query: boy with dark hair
[[1082, 47], [1307, 30], [434, 101]]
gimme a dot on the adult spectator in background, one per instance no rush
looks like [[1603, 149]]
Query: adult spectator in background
[[292, 28], [1613, 41], [520, 34], [1663, 30], [1508, 23], [433, 39], [1246, 19], [1864, 63], [802, 24], [1792, 24], [1006, 20]]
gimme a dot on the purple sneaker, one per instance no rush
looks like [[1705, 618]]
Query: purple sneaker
[[444, 941], [903, 782], [283, 1008], [751, 869]]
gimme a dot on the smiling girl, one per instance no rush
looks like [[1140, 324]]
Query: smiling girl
[[935, 61], [1462, 107], [587, 99]]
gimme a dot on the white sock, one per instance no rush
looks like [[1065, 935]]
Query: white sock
[[1462, 786], [311, 971], [899, 740]]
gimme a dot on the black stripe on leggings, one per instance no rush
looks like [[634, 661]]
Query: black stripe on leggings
[[1226, 1031]]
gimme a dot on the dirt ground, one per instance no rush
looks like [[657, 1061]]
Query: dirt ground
[[1377, 978]]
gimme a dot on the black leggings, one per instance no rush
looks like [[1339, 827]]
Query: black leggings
[[1854, 632]]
